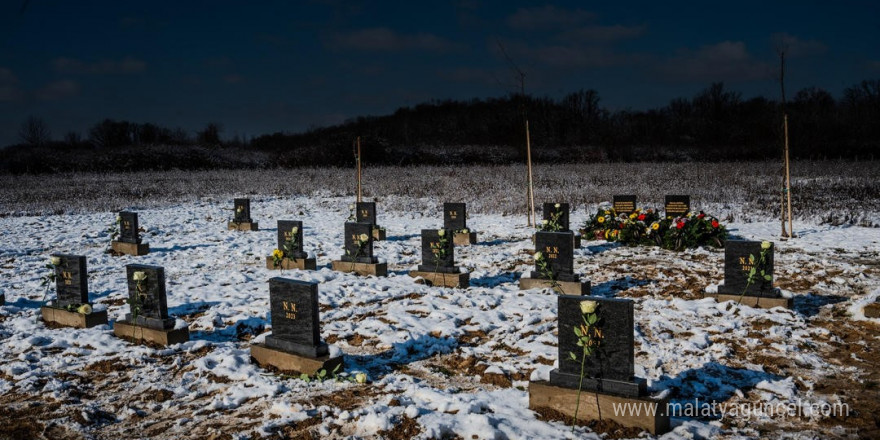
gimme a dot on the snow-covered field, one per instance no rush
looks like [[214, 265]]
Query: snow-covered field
[[441, 362]]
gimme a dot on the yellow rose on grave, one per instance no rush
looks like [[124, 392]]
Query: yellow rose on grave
[[360, 378], [85, 309], [600, 219], [441, 232], [294, 230], [55, 261], [544, 222], [139, 276], [766, 245], [363, 237], [538, 255], [277, 254], [465, 231], [557, 206], [655, 226], [588, 307]]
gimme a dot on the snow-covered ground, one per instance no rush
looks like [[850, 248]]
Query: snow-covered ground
[[442, 362]]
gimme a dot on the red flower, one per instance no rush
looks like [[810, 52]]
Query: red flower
[[621, 226], [714, 223], [679, 225], [701, 216], [641, 217]]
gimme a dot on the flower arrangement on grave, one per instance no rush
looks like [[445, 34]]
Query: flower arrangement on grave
[[546, 271], [690, 231], [644, 227], [589, 338], [599, 223], [757, 272], [552, 224], [287, 249]]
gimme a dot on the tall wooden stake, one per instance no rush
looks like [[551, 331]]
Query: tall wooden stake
[[358, 157], [531, 193], [788, 178], [785, 196]]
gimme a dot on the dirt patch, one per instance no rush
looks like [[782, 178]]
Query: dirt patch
[[345, 400], [108, 366], [301, 430], [608, 428], [404, 428], [499, 380]]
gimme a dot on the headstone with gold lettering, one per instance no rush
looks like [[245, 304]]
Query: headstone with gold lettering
[[358, 257], [128, 241], [290, 254], [740, 258], [554, 265], [455, 220], [295, 343], [241, 217], [624, 204], [365, 212], [71, 307], [556, 219], [677, 206], [438, 260], [148, 320], [596, 355]]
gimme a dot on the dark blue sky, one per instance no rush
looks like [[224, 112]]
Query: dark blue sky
[[287, 66]]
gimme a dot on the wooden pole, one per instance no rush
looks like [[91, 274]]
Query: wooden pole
[[358, 169], [787, 177], [531, 193], [784, 142]]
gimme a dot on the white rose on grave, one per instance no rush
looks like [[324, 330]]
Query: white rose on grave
[[441, 232], [351, 206], [139, 276], [588, 307], [538, 255], [544, 222], [295, 230], [85, 309], [465, 231], [118, 218], [557, 206], [765, 245], [363, 237], [55, 261], [360, 378]]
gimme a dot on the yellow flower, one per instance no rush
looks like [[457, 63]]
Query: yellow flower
[[601, 219], [84, 309], [766, 245], [557, 206], [614, 233], [465, 231], [632, 216], [360, 378], [588, 307], [538, 255], [441, 232], [55, 261], [607, 231], [363, 238], [278, 254], [655, 226], [295, 230]]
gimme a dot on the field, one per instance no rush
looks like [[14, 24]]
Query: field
[[441, 362]]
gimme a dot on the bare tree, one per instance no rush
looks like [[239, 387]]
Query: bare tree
[[34, 131]]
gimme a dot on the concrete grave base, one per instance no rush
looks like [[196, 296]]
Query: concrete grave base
[[379, 234], [293, 363], [142, 334], [73, 319], [568, 287], [130, 248], [2, 299], [872, 310], [461, 280], [292, 263], [243, 226], [644, 412], [462, 239], [377, 269], [760, 302]]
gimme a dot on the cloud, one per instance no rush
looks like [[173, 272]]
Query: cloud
[[9, 89], [58, 90], [78, 67], [727, 60], [387, 40], [469, 75], [573, 54], [233, 79], [603, 34], [795, 47], [547, 17]]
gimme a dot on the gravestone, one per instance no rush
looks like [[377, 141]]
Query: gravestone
[[550, 210], [148, 318], [438, 253], [71, 307], [366, 213], [624, 204], [242, 211], [354, 252], [736, 287], [558, 250], [677, 206], [128, 227], [71, 281], [295, 342], [608, 380], [285, 228], [454, 216], [294, 310], [149, 297]]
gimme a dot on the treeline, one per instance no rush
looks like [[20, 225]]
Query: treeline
[[716, 124]]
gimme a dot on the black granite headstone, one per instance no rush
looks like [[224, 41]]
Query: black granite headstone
[[354, 252], [551, 210], [437, 254], [677, 206], [624, 204], [71, 281], [128, 227], [558, 250], [285, 233], [294, 310], [454, 216], [737, 266], [149, 297], [366, 213], [611, 366], [242, 211]]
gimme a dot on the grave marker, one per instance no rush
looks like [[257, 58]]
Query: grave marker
[[148, 318], [71, 307], [740, 256], [291, 245], [455, 220], [556, 252], [129, 240], [241, 217], [438, 260], [624, 204], [365, 212], [358, 256], [677, 206], [560, 216]]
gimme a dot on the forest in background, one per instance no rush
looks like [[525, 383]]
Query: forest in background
[[717, 124]]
